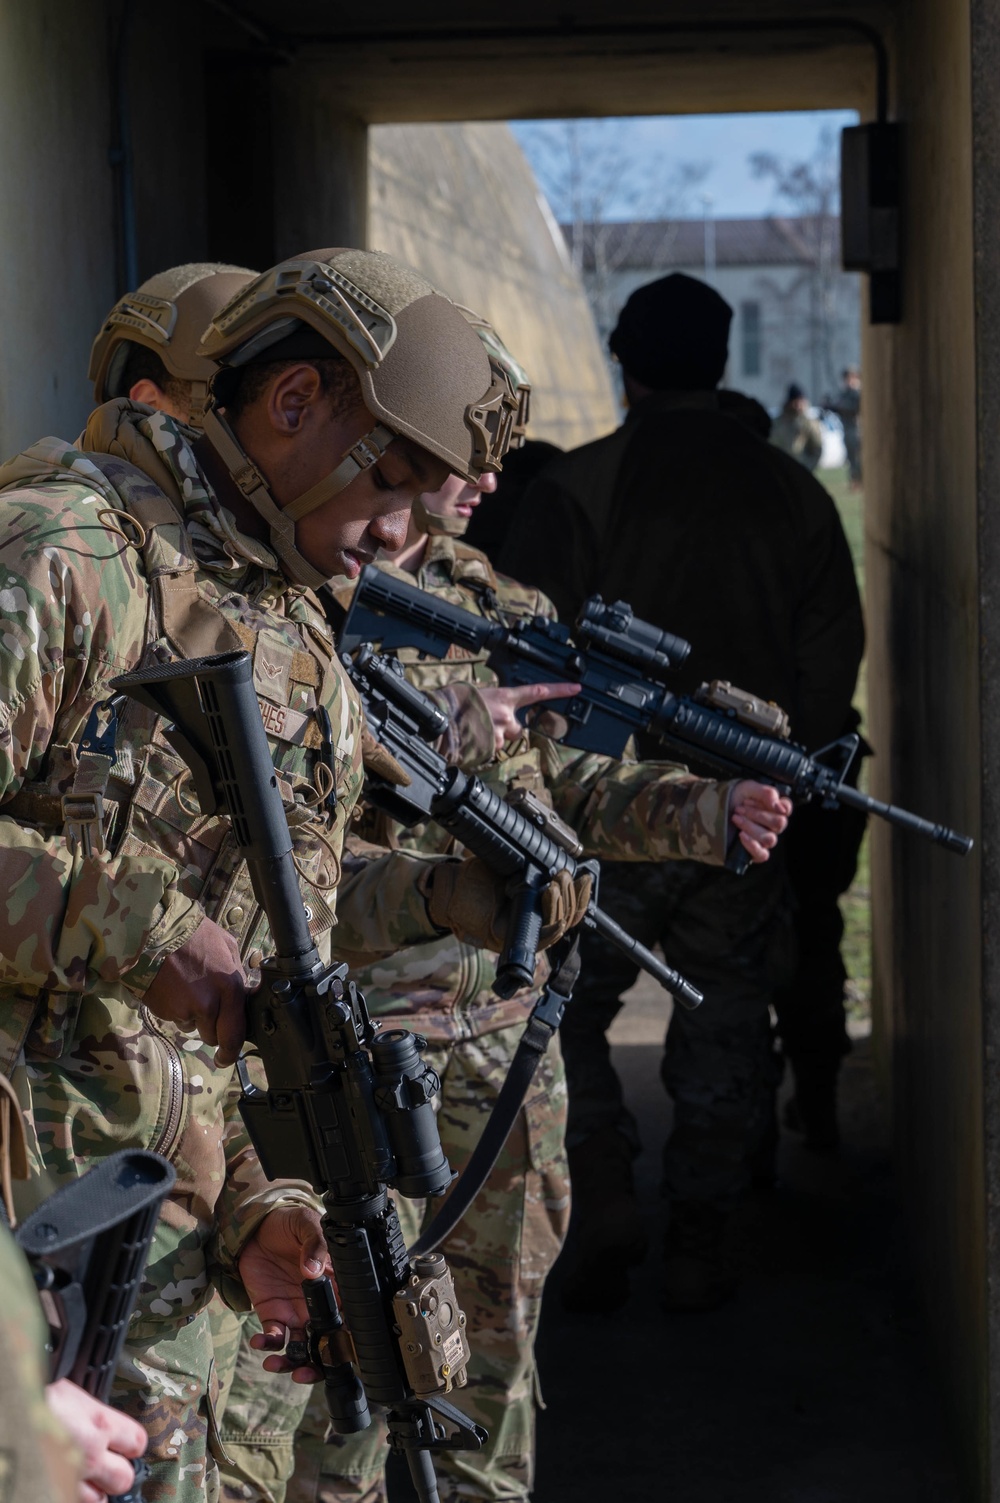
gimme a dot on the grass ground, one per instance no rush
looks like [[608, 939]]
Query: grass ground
[[856, 904]]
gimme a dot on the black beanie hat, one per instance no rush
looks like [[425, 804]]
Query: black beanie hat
[[673, 334]]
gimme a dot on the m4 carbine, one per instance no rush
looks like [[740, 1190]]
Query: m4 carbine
[[517, 836], [346, 1108], [87, 1246], [622, 666]]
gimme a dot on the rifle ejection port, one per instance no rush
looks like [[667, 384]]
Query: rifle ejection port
[[635, 694]]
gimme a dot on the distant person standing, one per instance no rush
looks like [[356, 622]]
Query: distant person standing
[[711, 532], [796, 432], [848, 409]]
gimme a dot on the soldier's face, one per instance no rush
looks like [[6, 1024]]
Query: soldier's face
[[298, 434], [373, 512], [457, 497]]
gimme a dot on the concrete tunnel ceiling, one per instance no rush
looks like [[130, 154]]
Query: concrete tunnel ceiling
[[387, 64]]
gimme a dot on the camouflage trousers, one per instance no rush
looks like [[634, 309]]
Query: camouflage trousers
[[259, 1413], [167, 1378], [731, 936], [500, 1255]]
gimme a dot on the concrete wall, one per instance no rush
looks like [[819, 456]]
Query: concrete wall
[[928, 707], [459, 202], [57, 230]]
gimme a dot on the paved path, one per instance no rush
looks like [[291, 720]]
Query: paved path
[[813, 1387]]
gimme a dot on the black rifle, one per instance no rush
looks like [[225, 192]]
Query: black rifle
[[622, 665], [517, 836], [87, 1246], [346, 1108]]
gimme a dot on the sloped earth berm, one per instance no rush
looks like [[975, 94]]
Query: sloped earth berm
[[814, 1386]]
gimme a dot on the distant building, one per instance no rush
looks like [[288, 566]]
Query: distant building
[[796, 313]]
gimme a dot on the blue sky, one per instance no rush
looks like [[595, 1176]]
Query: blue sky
[[636, 163]]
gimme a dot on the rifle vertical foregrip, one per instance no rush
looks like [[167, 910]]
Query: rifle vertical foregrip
[[516, 965]]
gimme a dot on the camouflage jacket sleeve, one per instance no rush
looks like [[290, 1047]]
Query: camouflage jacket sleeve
[[247, 1197], [381, 906], [73, 616], [637, 811]]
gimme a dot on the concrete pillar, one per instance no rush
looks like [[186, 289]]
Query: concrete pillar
[[932, 414], [320, 163], [985, 61]]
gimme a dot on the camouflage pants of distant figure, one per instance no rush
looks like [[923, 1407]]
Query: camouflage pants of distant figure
[[500, 1255], [733, 938], [259, 1413]]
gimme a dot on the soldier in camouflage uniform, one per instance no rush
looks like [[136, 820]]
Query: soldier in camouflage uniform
[[147, 350], [506, 1244], [130, 924]]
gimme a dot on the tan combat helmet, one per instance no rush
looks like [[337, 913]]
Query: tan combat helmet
[[168, 314], [423, 373], [502, 360]]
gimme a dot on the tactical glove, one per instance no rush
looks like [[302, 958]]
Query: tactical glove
[[473, 902]]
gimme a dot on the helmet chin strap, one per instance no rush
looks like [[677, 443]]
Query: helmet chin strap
[[281, 520], [437, 527]]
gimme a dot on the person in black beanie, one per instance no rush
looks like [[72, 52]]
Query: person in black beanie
[[709, 531]]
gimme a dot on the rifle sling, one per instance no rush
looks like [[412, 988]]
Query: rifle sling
[[538, 1034]]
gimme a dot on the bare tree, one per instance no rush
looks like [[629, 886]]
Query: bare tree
[[606, 195], [812, 188]]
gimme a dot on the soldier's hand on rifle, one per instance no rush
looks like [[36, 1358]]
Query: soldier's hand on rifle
[[286, 1248], [109, 1440], [503, 705], [202, 987], [473, 901], [760, 814]]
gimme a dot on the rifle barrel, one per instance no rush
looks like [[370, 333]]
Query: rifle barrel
[[940, 834], [681, 990]]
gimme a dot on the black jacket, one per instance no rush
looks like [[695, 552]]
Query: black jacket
[[710, 532]]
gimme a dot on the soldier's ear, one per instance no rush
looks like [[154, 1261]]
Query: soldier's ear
[[294, 393]]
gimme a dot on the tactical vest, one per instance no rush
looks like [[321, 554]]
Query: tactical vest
[[149, 806]]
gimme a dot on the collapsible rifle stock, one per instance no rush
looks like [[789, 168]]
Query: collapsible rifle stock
[[346, 1108], [87, 1245], [622, 666]]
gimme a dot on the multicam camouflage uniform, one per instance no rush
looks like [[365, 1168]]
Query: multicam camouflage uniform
[[85, 933], [38, 1462], [506, 1245]]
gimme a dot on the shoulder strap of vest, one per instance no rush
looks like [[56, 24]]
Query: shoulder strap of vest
[[193, 625]]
